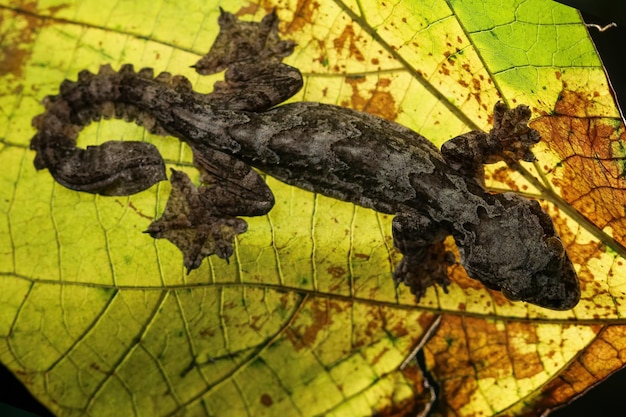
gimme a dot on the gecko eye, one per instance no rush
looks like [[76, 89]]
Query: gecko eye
[[555, 247]]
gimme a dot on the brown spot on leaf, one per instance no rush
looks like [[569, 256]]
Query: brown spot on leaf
[[266, 400], [26, 378], [377, 101], [379, 356], [444, 69], [572, 103], [591, 174], [426, 320], [336, 271], [134, 208], [96, 367], [383, 82], [18, 36], [476, 84], [303, 16], [525, 364], [207, 333], [502, 174], [311, 321], [249, 9], [348, 39], [257, 322]]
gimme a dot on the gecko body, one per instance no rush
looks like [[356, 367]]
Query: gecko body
[[506, 241]]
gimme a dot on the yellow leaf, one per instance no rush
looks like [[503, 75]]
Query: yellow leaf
[[98, 318]]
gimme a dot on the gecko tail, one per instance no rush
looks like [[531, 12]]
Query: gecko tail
[[111, 168]]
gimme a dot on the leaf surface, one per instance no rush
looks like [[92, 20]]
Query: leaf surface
[[97, 318]]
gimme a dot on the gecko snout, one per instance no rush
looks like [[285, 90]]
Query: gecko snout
[[556, 287]]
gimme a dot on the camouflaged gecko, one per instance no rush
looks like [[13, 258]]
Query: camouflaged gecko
[[505, 241]]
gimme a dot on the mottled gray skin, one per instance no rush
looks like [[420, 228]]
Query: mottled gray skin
[[506, 241]]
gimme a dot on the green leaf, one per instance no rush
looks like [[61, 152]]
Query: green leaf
[[98, 318]]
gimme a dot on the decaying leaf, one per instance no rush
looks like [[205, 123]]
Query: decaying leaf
[[99, 319]]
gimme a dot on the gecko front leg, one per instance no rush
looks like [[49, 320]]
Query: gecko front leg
[[202, 221], [425, 260], [251, 53], [510, 140]]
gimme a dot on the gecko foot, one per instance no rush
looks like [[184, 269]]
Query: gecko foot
[[191, 224], [510, 140], [420, 272]]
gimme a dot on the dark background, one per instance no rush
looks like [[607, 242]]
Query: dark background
[[607, 397]]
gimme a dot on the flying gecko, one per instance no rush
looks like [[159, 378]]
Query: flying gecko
[[505, 241]]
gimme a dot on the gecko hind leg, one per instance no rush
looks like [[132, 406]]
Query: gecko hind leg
[[201, 221], [425, 260]]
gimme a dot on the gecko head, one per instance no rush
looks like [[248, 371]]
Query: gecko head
[[519, 253], [553, 285]]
